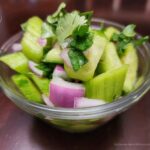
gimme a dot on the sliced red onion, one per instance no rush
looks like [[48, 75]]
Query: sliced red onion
[[63, 93], [60, 72], [65, 57], [47, 100], [42, 41], [82, 102], [32, 66], [16, 47]]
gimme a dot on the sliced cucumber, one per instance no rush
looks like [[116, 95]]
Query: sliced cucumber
[[31, 48], [110, 31], [110, 59], [34, 25], [30, 45], [53, 55], [41, 83], [27, 88], [16, 61], [107, 86], [93, 55], [130, 57]]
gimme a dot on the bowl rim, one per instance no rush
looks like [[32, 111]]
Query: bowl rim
[[84, 113]]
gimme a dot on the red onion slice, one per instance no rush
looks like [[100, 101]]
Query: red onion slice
[[42, 41], [60, 72], [65, 57], [82, 102], [47, 100], [16, 47], [34, 69], [63, 93]]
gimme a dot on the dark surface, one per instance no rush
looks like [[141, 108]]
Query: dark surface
[[20, 131]]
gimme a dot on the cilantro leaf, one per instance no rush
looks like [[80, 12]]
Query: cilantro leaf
[[127, 36], [53, 19], [67, 24], [140, 41], [128, 31], [82, 38], [81, 31], [88, 15], [77, 59], [47, 68]]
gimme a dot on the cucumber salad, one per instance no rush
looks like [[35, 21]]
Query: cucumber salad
[[64, 61]]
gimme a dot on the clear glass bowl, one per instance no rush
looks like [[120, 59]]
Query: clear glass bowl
[[77, 120]]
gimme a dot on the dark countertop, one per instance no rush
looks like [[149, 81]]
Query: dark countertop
[[20, 131]]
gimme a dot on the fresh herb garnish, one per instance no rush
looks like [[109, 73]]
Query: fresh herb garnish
[[67, 24], [127, 36], [77, 59], [82, 38], [88, 15], [47, 68], [54, 18], [140, 41]]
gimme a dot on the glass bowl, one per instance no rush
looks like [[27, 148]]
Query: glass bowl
[[77, 120]]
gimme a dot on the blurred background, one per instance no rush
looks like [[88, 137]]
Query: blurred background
[[14, 12]]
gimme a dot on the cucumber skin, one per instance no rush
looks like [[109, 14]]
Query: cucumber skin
[[41, 83], [27, 88], [107, 86], [16, 61], [110, 59], [130, 57], [87, 71]]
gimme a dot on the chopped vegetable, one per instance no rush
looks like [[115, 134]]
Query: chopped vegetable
[[77, 59], [82, 102], [16, 47], [131, 59], [67, 24], [47, 68], [34, 69], [54, 55], [27, 88], [16, 61], [41, 83], [93, 54], [63, 93], [47, 101], [107, 86], [60, 72], [127, 36], [110, 59]]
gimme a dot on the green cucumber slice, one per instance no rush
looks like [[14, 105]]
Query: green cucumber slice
[[53, 55], [16, 61], [107, 86], [41, 83], [30, 45], [93, 55], [110, 31], [31, 48], [130, 57], [34, 25], [27, 88], [110, 59]]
